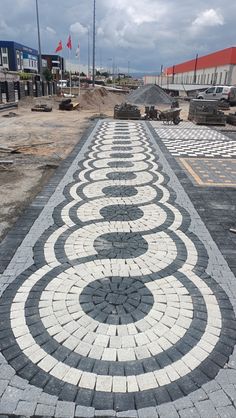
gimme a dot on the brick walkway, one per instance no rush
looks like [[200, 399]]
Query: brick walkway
[[117, 302]]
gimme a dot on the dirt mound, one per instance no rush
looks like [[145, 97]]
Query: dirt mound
[[100, 98], [149, 95]]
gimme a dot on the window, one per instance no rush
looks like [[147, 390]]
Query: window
[[210, 90], [4, 50], [220, 78], [5, 60], [219, 89]]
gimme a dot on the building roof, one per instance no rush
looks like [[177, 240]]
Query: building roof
[[216, 59], [16, 45]]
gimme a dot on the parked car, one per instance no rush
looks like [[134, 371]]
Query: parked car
[[224, 93], [62, 83]]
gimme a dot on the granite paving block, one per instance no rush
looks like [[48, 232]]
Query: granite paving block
[[117, 300]]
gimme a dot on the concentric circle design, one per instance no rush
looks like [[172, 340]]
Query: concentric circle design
[[118, 301], [120, 245]]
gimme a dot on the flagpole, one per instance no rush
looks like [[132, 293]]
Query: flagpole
[[79, 72], [61, 71], [70, 69]]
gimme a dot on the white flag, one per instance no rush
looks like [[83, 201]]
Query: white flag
[[78, 51]]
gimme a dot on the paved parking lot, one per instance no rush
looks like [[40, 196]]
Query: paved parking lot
[[118, 302]]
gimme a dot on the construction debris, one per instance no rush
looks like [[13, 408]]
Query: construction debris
[[6, 162], [5, 106], [19, 148], [41, 108], [66, 105], [231, 118], [206, 112], [10, 115]]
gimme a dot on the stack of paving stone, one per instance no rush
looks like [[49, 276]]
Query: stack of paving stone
[[206, 112], [21, 89], [38, 89], [29, 88], [10, 91], [126, 111]]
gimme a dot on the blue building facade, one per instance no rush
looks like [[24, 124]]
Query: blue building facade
[[18, 57]]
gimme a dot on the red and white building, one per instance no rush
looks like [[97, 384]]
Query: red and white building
[[215, 68]]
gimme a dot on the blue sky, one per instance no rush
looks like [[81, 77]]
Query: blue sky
[[141, 34]]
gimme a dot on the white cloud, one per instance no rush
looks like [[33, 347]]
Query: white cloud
[[208, 18], [78, 28], [147, 33], [50, 30]]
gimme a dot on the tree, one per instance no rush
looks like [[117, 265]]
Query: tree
[[47, 74], [25, 76]]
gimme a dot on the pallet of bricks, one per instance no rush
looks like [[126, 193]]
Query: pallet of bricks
[[206, 112], [126, 111]]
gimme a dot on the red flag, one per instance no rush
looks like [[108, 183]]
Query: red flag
[[59, 47], [69, 43]]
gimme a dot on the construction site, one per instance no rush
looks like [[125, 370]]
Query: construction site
[[33, 144], [117, 255]]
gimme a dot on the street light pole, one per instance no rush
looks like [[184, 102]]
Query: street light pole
[[94, 29], [39, 41], [88, 52]]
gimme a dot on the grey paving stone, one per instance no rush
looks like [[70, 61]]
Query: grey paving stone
[[127, 414], [7, 372], [148, 413], [31, 393], [227, 412], [167, 410], [198, 395], [183, 403], [47, 399], [65, 409], [3, 386], [211, 386], [45, 410], [224, 378], [7, 407], [219, 398], [84, 412], [189, 413], [18, 382], [25, 408], [105, 414], [206, 409], [12, 394]]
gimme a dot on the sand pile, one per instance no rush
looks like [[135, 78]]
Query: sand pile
[[149, 95], [100, 98]]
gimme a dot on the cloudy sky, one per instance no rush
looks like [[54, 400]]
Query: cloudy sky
[[141, 34]]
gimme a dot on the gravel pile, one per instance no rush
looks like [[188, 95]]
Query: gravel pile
[[149, 95]]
